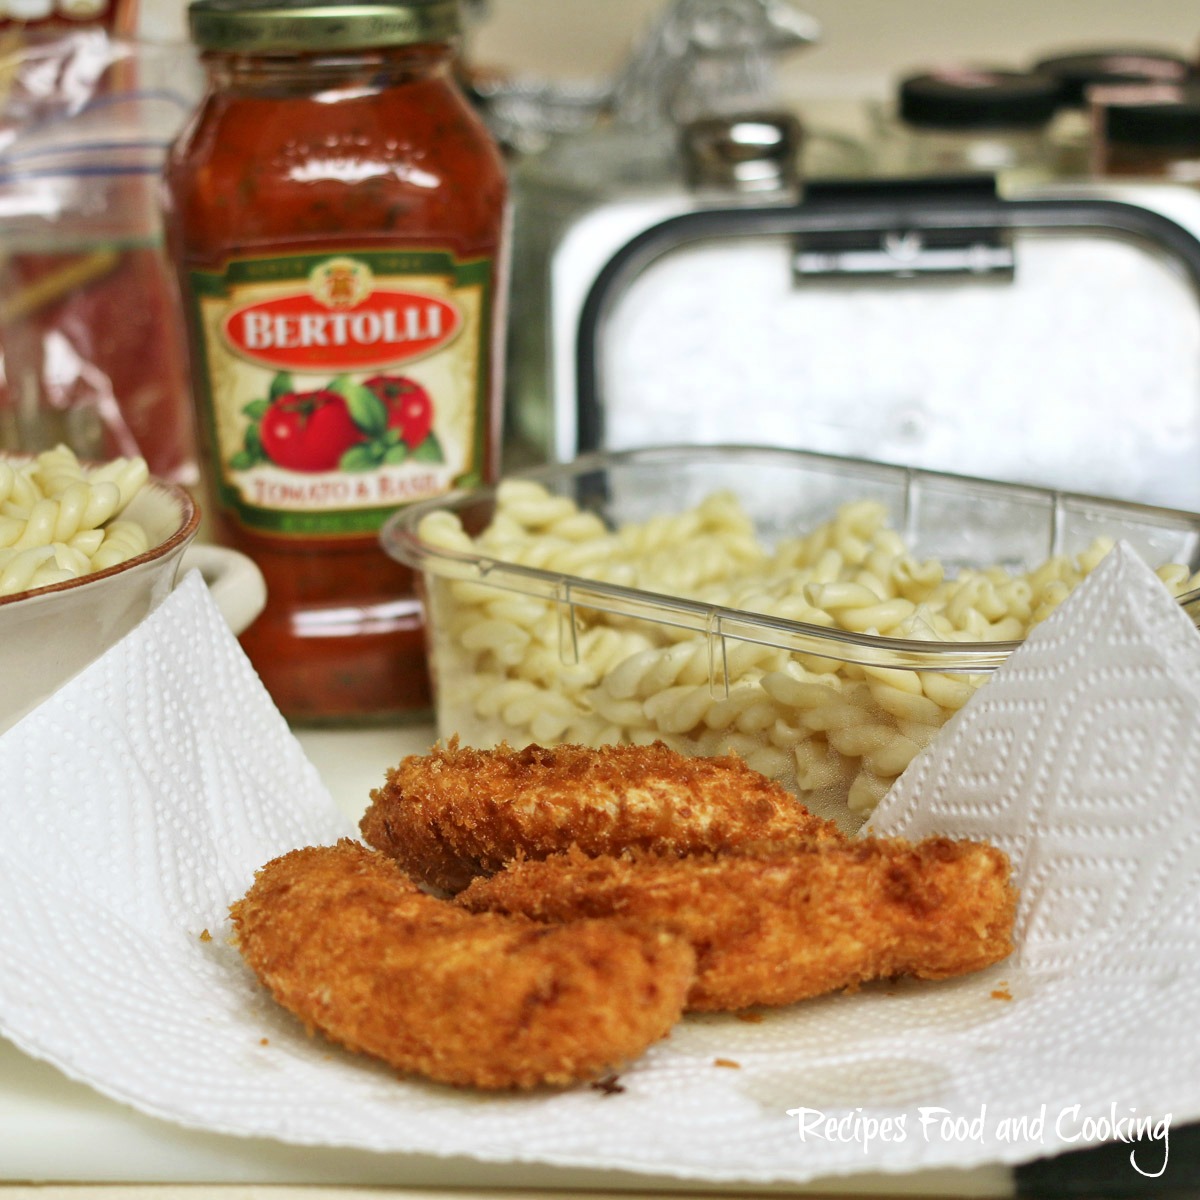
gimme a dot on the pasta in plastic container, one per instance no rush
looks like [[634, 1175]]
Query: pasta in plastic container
[[820, 616]]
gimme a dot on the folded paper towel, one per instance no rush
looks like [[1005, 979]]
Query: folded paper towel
[[139, 800]]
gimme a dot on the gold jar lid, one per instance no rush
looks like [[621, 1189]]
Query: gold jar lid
[[311, 26]]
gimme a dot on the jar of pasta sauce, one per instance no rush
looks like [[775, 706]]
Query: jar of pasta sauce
[[337, 215]]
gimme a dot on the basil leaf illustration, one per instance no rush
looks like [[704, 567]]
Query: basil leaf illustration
[[430, 450], [257, 409], [366, 410], [359, 458], [396, 454], [281, 385]]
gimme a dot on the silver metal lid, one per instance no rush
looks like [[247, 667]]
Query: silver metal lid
[[750, 152], [309, 26]]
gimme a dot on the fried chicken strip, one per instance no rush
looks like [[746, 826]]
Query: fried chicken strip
[[458, 813], [776, 924], [343, 939]]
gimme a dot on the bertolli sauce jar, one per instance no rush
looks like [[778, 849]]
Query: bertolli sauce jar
[[337, 216]]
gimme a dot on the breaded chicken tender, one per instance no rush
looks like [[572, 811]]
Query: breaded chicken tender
[[343, 939], [776, 924], [458, 813]]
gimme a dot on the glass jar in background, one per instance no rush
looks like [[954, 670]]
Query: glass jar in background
[[1146, 132], [337, 214], [1079, 71], [961, 121], [694, 117], [38, 19]]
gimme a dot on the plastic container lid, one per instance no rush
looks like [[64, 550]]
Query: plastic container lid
[[1079, 71], [1156, 122], [970, 98]]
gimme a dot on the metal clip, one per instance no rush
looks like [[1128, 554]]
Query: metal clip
[[903, 253], [903, 229]]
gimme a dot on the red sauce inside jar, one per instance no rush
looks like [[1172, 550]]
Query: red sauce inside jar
[[337, 222]]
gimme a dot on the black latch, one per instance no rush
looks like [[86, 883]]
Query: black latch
[[901, 229]]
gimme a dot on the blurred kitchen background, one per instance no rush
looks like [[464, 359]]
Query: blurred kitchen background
[[617, 114], [864, 43]]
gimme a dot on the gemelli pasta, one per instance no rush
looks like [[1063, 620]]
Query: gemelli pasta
[[836, 732], [60, 520]]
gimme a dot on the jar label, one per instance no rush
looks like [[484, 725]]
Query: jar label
[[342, 385]]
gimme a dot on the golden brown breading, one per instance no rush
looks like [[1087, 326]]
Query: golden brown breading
[[348, 943], [776, 924], [458, 813]]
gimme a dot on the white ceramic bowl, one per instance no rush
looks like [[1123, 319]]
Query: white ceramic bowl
[[49, 635]]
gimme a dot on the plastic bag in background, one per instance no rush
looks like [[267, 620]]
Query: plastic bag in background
[[91, 337], [35, 17]]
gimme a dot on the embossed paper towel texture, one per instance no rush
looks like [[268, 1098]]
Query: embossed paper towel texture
[[138, 802]]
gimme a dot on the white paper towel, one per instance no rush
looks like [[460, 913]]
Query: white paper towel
[[137, 803]]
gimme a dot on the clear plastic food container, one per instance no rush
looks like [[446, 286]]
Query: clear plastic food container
[[820, 616]]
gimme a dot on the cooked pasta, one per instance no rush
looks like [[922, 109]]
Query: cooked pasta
[[59, 519], [520, 668]]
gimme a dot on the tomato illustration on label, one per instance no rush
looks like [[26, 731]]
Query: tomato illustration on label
[[410, 410], [308, 431], [344, 426]]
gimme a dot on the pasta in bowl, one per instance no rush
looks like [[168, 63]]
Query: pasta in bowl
[[86, 551], [819, 616]]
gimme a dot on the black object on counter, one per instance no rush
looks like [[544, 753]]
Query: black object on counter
[[1078, 71], [1156, 122], [1106, 1173], [967, 98]]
